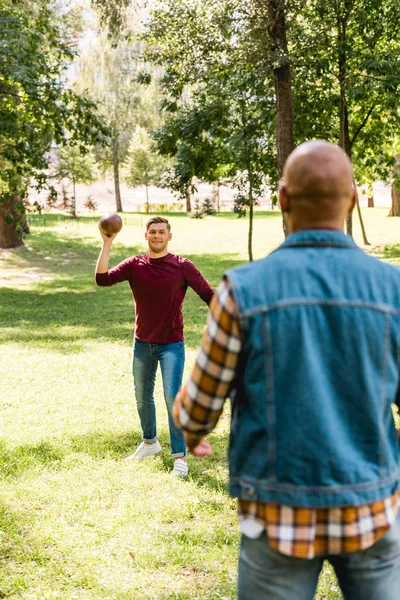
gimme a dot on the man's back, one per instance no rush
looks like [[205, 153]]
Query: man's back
[[321, 329]]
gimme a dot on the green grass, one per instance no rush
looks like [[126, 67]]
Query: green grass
[[71, 509]]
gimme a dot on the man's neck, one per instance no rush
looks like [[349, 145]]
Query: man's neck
[[158, 254], [330, 225]]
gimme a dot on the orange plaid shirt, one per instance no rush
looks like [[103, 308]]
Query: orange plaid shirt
[[298, 532]]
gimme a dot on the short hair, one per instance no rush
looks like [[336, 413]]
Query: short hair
[[155, 220]]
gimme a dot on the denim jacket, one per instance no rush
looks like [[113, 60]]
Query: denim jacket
[[312, 423]]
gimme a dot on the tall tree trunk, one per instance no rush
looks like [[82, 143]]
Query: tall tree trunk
[[11, 213], [188, 203], [395, 192], [395, 208], [344, 134], [371, 203], [216, 196], [283, 87], [365, 240], [251, 211], [117, 188]]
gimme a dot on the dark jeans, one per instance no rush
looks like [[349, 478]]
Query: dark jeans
[[146, 357]]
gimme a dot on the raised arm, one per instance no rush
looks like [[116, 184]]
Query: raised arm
[[104, 256], [105, 277]]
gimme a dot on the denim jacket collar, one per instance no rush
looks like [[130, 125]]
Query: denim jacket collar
[[319, 237]]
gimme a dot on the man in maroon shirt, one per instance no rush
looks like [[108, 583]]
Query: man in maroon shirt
[[158, 281]]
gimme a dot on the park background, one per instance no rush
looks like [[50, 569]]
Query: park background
[[103, 103]]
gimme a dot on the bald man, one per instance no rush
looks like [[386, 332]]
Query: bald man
[[306, 343]]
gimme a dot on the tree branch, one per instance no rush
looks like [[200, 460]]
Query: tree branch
[[362, 124]]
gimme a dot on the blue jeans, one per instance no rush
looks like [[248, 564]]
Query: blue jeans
[[372, 574], [146, 357]]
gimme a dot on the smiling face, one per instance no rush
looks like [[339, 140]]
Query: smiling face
[[158, 236]]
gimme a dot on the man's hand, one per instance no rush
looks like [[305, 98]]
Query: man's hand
[[107, 239], [198, 447]]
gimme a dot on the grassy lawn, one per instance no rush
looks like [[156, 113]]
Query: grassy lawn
[[71, 509]]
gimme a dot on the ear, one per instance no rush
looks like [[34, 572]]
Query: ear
[[145, 235], [169, 236], [353, 201], [284, 198]]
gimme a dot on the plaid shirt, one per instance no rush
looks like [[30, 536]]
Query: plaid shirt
[[298, 532]]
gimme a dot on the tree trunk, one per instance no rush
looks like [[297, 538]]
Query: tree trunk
[[283, 87], [117, 188], [371, 203], [344, 134], [215, 196], [365, 240], [10, 224], [188, 203], [250, 238], [395, 192], [395, 209]]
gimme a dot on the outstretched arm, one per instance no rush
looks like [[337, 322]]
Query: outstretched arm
[[198, 283], [200, 402]]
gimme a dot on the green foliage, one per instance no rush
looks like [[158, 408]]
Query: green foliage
[[208, 207], [108, 72], [37, 107], [113, 15], [77, 167], [143, 166], [220, 108], [346, 57]]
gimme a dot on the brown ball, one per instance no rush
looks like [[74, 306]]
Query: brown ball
[[110, 224]]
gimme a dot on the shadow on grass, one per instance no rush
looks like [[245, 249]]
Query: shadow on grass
[[205, 472], [12, 549], [22, 458], [68, 310], [106, 445], [208, 472]]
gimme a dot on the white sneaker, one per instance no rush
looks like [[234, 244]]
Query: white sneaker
[[181, 468], [145, 450]]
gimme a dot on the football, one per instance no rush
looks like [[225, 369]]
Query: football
[[110, 224]]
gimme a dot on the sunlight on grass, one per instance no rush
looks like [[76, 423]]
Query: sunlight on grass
[[71, 508]]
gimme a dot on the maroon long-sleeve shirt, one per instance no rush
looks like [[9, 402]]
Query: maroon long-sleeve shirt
[[158, 286]]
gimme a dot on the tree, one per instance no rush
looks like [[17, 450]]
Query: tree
[[269, 31], [346, 66], [109, 70], [338, 61], [217, 104], [143, 166], [36, 108], [76, 167], [90, 204], [114, 15]]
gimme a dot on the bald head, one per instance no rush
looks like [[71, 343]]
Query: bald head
[[317, 186]]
